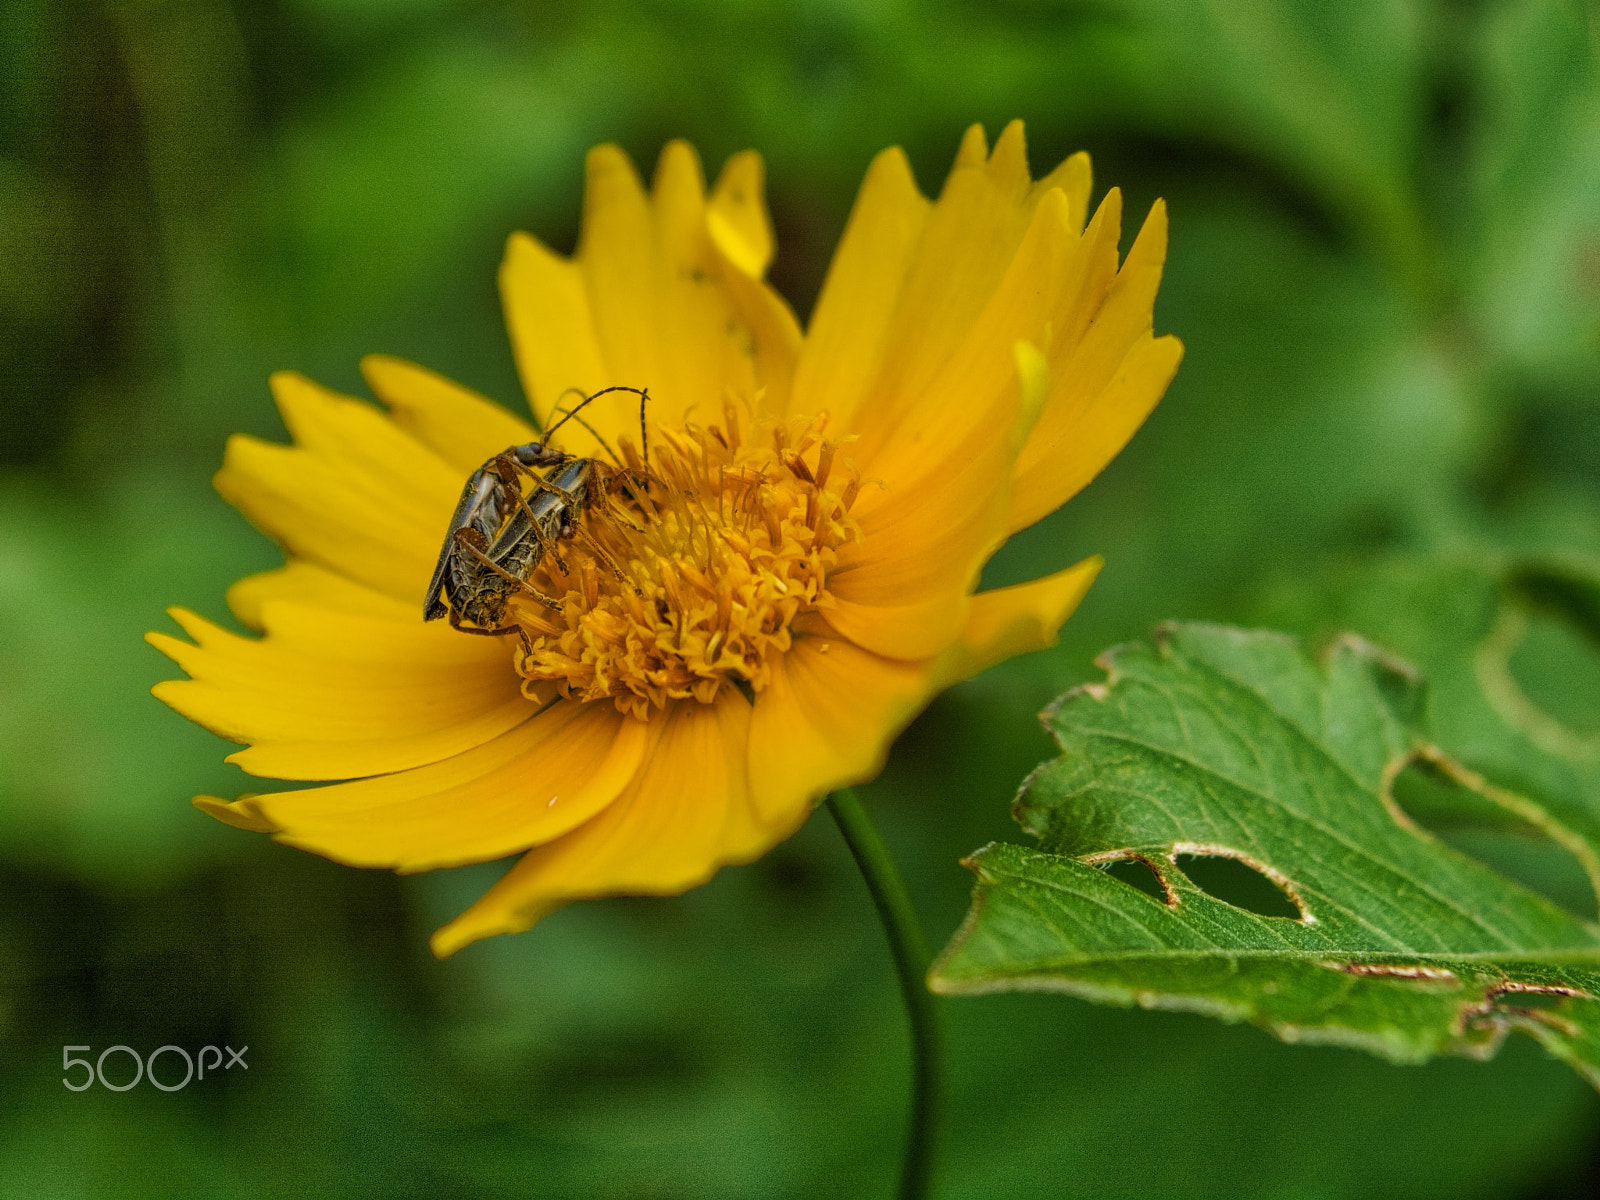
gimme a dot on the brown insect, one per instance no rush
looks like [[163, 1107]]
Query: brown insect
[[510, 516]]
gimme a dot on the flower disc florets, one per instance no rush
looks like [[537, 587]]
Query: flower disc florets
[[707, 560]]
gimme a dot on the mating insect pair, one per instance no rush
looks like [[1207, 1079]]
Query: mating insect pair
[[510, 517]]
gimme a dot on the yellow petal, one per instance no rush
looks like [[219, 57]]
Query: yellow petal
[[237, 813], [329, 695], [316, 512], [460, 426], [691, 314], [552, 335], [770, 335], [356, 495], [737, 215], [912, 436], [1087, 276], [618, 257], [1072, 177], [913, 337], [355, 437], [826, 721], [902, 592], [1014, 620], [534, 783], [967, 246], [845, 342], [1105, 385], [973, 151], [925, 540], [686, 814], [912, 631], [651, 302], [306, 584], [721, 328]]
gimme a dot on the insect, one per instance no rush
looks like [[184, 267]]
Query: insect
[[502, 528]]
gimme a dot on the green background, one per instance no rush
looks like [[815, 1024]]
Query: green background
[[1385, 265]]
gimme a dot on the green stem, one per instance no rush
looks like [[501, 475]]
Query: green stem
[[910, 952]]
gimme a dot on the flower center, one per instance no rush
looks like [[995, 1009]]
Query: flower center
[[682, 580]]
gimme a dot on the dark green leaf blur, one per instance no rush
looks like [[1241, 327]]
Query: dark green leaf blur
[[1385, 265]]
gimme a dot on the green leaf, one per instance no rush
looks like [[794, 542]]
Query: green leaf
[[1223, 744], [1511, 651]]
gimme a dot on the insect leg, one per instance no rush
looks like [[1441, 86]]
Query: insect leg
[[541, 484], [616, 511], [455, 623], [547, 544], [605, 556]]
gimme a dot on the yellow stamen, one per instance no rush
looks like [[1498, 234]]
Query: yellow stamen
[[726, 541]]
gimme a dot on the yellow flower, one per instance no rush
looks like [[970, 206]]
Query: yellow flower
[[740, 631]]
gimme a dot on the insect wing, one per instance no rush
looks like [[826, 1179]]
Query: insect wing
[[510, 535], [475, 498], [573, 477], [549, 508]]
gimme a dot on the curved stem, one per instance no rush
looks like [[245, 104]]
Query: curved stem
[[910, 952]]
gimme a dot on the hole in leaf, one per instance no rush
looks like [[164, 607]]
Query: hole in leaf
[[1530, 1000], [1239, 884], [1137, 873], [1558, 669], [1440, 805], [1567, 589], [1500, 840]]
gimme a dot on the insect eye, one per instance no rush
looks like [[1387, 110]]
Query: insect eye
[[529, 455]]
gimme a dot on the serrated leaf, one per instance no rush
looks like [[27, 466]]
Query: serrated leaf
[[1463, 618], [1227, 743]]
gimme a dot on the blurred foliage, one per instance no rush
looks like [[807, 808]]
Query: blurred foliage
[[1385, 265]]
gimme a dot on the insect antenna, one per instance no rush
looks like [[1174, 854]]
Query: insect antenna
[[572, 415]]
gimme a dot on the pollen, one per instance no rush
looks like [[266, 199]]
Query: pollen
[[691, 573]]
